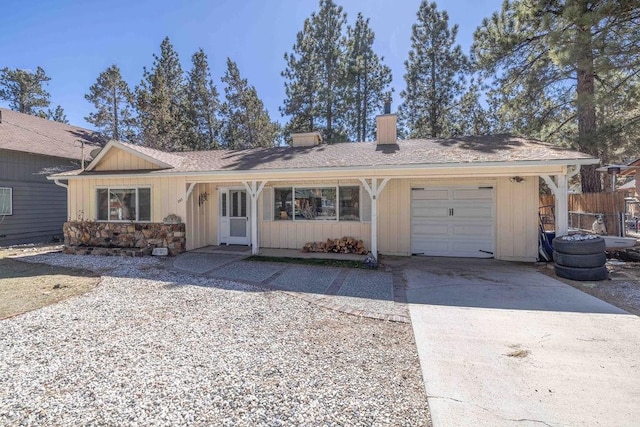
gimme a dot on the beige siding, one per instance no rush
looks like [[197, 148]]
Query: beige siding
[[387, 131], [394, 218], [516, 213], [120, 160], [517, 219], [167, 196], [294, 234], [202, 219], [516, 216]]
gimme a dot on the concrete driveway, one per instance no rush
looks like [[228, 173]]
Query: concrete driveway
[[502, 344]]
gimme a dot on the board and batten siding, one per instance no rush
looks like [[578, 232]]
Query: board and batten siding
[[516, 216], [294, 234], [517, 219], [120, 160], [168, 195], [394, 218], [202, 218], [516, 213], [39, 206]]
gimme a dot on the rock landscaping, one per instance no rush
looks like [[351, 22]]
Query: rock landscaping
[[154, 347], [126, 239]]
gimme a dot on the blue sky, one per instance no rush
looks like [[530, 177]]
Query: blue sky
[[76, 40]]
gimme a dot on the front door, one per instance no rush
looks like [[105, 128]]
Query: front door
[[234, 217]]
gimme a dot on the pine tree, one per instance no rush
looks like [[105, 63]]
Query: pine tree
[[316, 75], [368, 81], [434, 75], [301, 83], [160, 99], [57, 115], [202, 105], [469, 116], [24, 90], [246, 121], [113, 101], [554, 62]]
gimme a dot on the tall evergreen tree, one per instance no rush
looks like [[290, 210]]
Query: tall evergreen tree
[[25, 90], [57, 115], [555, 61], [469, 116], [315, 74], [368, 81], [301, 83], [434, 75], [160, 99], [113, 103], [246, 121], [203, 105]]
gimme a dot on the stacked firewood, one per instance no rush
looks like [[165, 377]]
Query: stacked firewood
[[345, 245]]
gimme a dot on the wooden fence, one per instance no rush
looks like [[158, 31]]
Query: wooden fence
[[583, 209]]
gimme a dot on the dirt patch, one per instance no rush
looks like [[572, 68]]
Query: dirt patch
[[26, 286], [622, 289], [518, 352]]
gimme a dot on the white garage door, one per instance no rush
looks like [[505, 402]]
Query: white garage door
[[453, 221]]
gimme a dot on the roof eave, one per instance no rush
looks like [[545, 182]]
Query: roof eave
[[117, 144], [380, 169]]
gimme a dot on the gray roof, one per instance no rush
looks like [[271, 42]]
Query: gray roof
[[415, 152], [30, 134]]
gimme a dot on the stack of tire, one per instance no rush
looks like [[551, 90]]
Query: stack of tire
[[580, 257]]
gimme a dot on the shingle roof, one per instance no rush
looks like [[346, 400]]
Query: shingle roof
[[171, 158], [416, 152], [30, 134]]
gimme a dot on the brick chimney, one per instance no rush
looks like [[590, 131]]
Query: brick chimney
[[308, 139], [387, 125]]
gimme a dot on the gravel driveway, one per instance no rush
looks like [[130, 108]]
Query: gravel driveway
[[154, 347]]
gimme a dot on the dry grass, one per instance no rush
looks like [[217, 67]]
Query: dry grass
[[26, 286], [622, 289]]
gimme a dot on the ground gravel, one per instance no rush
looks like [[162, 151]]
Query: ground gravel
[[151, 346]]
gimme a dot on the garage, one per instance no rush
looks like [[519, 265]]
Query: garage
[[453, 221]]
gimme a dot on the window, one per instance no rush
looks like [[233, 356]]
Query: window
[[283, 203], [124, 204], [223, 205], [6, 201], [317, 204], [349, 203]]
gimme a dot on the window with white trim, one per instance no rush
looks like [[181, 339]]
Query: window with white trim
[[336, 203], [6, 201], [124, 204]]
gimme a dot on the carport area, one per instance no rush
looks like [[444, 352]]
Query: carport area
[[502, 344]]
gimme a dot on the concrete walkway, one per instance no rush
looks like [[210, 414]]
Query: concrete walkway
[[376, 294], [502, 344]]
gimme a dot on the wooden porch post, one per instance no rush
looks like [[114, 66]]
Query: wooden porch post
[[560, 190], [254, 189], [374, 191]]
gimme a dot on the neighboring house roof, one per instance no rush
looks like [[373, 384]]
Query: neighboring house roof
[[633, 166], [631, 185], [468, 151], [30, 134]]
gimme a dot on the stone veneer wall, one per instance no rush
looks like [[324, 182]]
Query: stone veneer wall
[[127, 239]]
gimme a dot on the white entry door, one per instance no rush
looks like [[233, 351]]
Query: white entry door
[[234, 217], [453, 221]]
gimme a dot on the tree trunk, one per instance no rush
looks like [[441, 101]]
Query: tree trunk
[[116, 132], [433, 119], [329, 106], [587, 126]]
